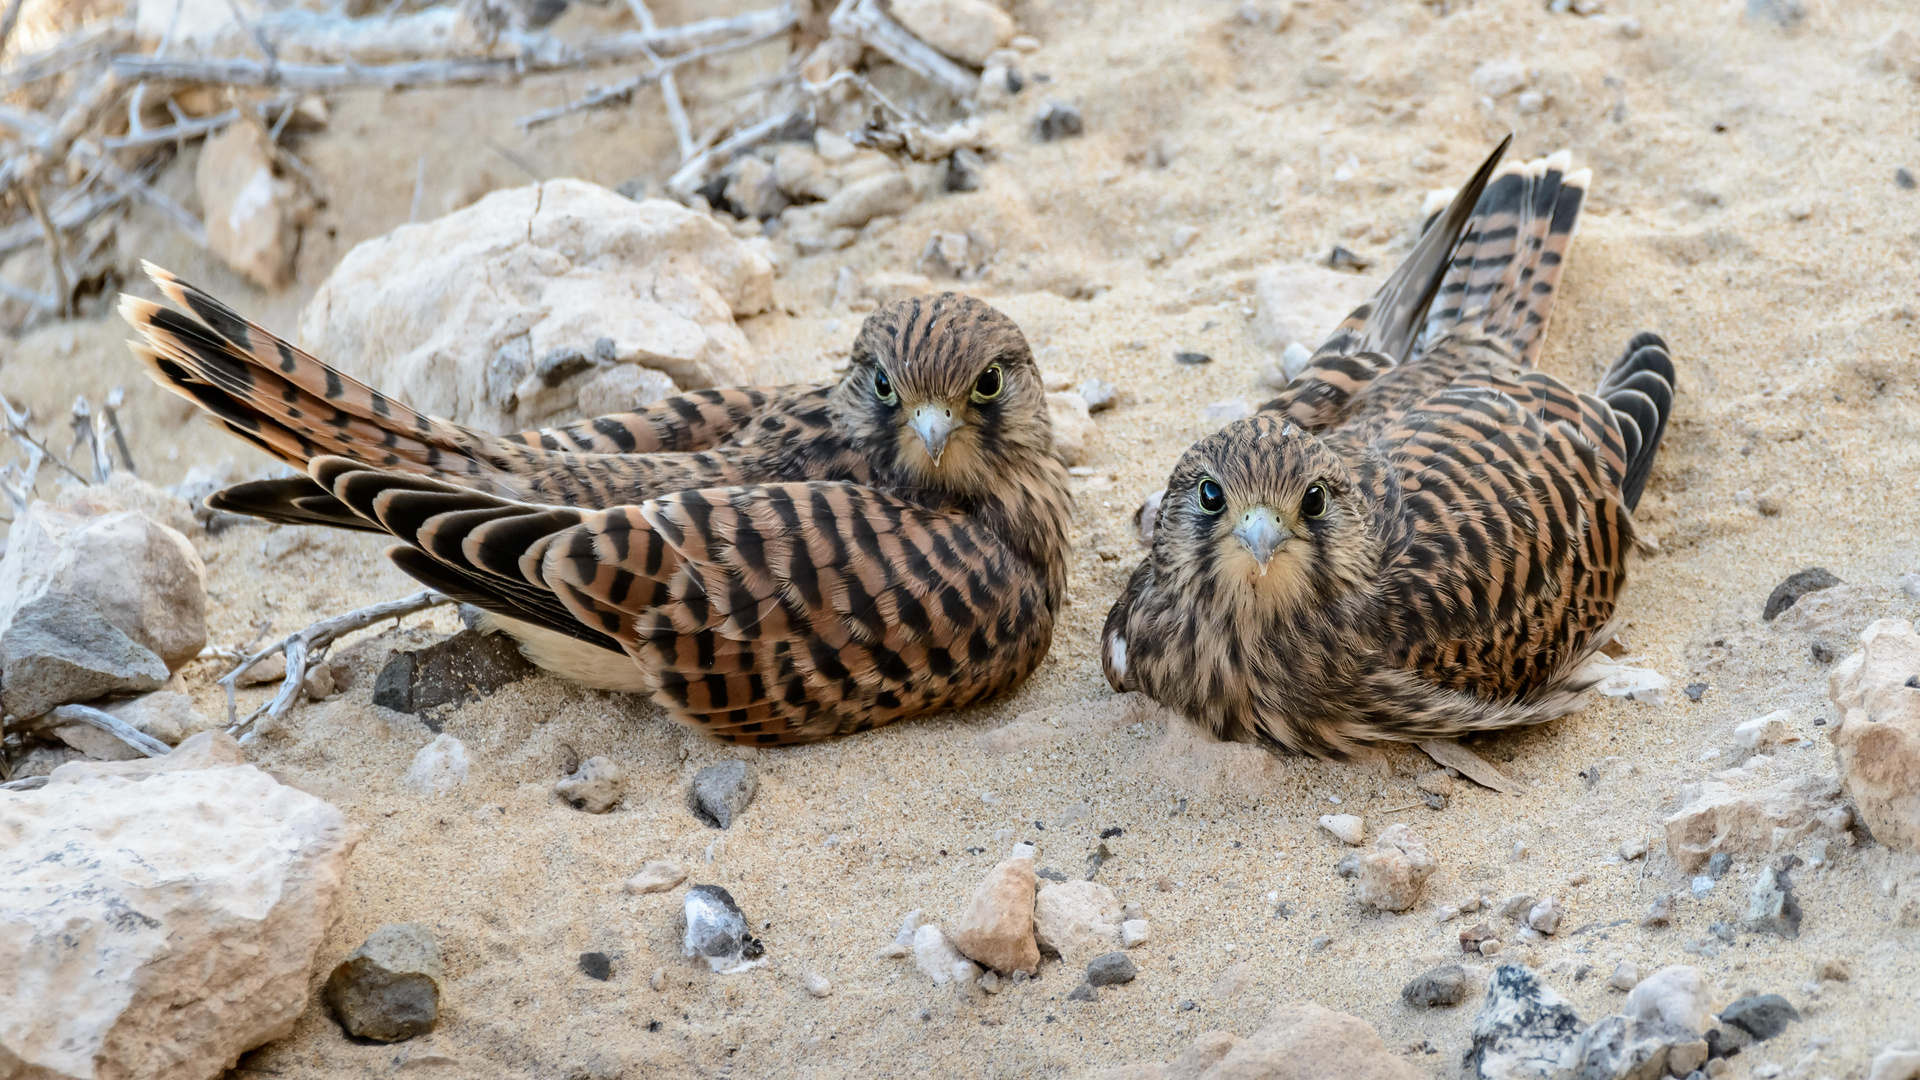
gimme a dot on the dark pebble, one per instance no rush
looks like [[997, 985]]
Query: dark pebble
[[1717, 864], [653, 1025], [1084, 992], [1111, 969], [1823, 653], [1342, 259], [465, 667], [1903, 178], [963, 171], [1058, 120], [1349, 866], [1188, 1006], [1111, 832], [1788, 592], [720, 793], [1726, 1042], [596, 965], [1762, 1016], [1050, 874], [1441, 986], [1192, 358], [1696, 691], [1434, 800]]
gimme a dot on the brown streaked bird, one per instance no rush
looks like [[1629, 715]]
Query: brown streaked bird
[[1423, 535], [771, 565]]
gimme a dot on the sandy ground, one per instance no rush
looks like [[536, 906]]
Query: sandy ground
[[1743, 206]]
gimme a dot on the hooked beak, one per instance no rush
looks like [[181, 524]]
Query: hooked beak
[[1262, 534], [933, 423]]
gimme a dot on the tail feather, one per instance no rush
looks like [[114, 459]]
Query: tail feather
[[286, 402], [1505, 272], [1639, 388], [1390, 319]]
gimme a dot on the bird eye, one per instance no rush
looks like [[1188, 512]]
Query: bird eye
[[989, 384], [883, 386], [1314, 503], [1212, 499]]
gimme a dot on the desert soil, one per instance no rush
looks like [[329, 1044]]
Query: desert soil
[[1743, 205]]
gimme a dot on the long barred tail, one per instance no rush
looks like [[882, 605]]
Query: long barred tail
[[1506, 270], [282, 400], [1639, 390]]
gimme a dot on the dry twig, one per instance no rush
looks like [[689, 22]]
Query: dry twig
[[112, 725], [669, 86], [310, 646], [623, 90], [863, 21]]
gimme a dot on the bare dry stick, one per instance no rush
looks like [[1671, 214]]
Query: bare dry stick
[[112, 725], [87, 46], [683, 182], [669, 86], [28, 296], [863, 21], [311, 644], [54, 254], [7, 22], [67, 215], [115, 398], [15, 419], [624, 89]]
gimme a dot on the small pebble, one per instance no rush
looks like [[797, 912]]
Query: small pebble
[[658, 980], [816, 984], [1111, 969], [1702, 885], [1099, 396], [1347, 828], [1058, 120], [1192, 358], [1545, 915], [1717, 864], [656, 876], [1320, 943], [1447, 913], [1772, 907], [1084, 992], [1634, 848], [1490, 947], [596, 965], [720, 793], [1696, 691], [717, 931], [1472, 936], [1517, 906], [596, 786], [388, 989], [1903, 178], [1626, 976], [1133, 932], [1444, 985], [1761, 1015], [1834, 970]]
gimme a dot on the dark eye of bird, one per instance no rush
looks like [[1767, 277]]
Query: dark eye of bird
[[1212, 499], [1314, 503], [989, 384], [883, 386]]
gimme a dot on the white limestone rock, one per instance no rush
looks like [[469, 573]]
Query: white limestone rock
[[253, 212], [438, 768], [967, 30], [160, 917], [1302, 303], [456, 315], [1079, 920], [1877, 740]]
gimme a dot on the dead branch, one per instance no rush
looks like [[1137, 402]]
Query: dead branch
[[69, 213], [55, 255], [669, 86], [112, 725], [308, 646], [15, 419], [27, 296], [29, 783], [88, 46], [687, 178], [115, 398], [623, 90], [863, 21]]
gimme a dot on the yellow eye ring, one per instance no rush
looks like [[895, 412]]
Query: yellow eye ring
[[1315, 503], [990, 384]]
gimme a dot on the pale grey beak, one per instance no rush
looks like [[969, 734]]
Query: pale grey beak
[[933, 423], [1262, 534]]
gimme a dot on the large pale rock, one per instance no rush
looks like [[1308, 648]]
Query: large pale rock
[[967, 30], [59, 649], [1300, 302], [1077, 919], [1716, 817], [1877, 742], [142, 576], [997, 929], [458, 315], [253, 214], [861, 201], [159, 918], [1300, 1041], [1523, 1031]]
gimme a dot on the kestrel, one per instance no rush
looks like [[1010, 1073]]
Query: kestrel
[[1423, 535], [772, 565]]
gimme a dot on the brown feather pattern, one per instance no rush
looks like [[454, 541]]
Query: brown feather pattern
[[1455, 528], [781, 564]]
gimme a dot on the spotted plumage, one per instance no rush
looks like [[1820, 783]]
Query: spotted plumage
[[772, 565], [1423, 535]]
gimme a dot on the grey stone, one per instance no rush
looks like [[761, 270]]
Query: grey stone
[[596, 786], [1111, 969], [1058, 120], [1789, 592], [1436, 987], [1084, 992], [1659, 913], [388, 989], [1192, 358], [1625, 1048], [1771, 906], [1524, 1029], [717, 931], [465, 667], [1762, 1016], [1718, 863], [720, 793], [1099, 395], [596, 965], [964, 170], [60, 649]]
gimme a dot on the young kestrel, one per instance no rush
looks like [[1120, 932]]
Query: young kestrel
[[1423, 535], [773, 565]]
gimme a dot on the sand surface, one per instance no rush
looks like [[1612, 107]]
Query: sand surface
[[1743, 206]]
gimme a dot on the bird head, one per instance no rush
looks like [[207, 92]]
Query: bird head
[[1262, 512], [944, 389]]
